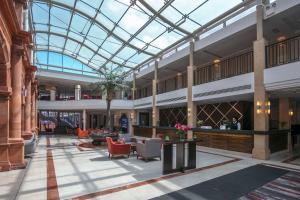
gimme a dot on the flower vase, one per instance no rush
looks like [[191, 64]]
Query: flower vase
[[181, 136]]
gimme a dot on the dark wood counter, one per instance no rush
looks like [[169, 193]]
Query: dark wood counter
[[232, 140]]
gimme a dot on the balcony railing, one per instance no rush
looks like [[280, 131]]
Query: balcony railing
[[283, 52], [225, 68]]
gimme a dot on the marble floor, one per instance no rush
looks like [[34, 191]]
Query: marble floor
[[60, 169]]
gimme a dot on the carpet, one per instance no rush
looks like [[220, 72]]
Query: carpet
[[238, 185]]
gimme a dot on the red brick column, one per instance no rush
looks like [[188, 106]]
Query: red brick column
[[5, 92], [33, 107], [16, 150], [28, 104]]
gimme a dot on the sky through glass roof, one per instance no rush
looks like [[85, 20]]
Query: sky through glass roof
[[114, 34]]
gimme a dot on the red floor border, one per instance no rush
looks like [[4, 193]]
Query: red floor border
[[52, 188]]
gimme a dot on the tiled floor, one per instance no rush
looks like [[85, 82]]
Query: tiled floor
[[73, 173]]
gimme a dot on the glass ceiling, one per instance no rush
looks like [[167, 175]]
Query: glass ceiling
[[113, 34]]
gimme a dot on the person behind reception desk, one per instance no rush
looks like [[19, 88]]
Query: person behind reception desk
[[235, 125]]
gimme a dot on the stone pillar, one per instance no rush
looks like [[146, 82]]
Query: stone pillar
[[261, 119], [52, 93], [191, 106], [179, 80], [133, 87], [16, 150], [33, 107], [28, 103], [77, 92], [285, 119], [155, 110], [5, 92], [25, 19], [84, 119]]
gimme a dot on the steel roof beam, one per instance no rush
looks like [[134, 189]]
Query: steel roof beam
[[67, 37], [140, 30], [245, 3], [96, 22], [158, 14]]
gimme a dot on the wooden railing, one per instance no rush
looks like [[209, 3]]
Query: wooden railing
[[171, 84], [225, 68], [283, 52]]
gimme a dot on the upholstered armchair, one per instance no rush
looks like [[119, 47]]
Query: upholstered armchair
[[117, 148], [151, 148], [81, 133]]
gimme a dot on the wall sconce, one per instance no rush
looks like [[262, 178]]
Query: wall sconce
[[153, 114], [189, 112], [268, 107], [291, 112], [131, 115], [216, 61], [258, 107]]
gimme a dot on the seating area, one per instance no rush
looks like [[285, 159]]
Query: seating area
[[150, 99]]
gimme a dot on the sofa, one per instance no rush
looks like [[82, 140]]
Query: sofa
[[126, 137], [150, 148], [30, 145], [117, 148], [81, 133]]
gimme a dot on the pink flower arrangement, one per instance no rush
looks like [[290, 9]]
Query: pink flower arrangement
[[181, 129]]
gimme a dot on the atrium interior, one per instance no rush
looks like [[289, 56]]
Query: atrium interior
[[149, 99]]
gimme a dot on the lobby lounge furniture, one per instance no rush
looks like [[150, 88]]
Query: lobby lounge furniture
[[81, 133], [29, 145], [117, 149], [126, 137], [150, 148], [99, 136]]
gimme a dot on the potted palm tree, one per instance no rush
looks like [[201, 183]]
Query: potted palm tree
[[110, 81]]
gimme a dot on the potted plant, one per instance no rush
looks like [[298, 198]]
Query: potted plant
[[181, 130], [109, 82], [199, 123]]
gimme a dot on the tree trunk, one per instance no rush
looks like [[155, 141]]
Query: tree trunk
[[108, 114]]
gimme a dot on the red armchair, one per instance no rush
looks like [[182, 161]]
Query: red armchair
[[81, 133], [117, 148]]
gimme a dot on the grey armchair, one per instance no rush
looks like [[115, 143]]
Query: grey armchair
[[150, 149]]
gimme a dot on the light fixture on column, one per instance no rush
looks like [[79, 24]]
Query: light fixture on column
[[258, 107], [291, 112], [216, 61], [189, 112], [268, 107], [131, 116]]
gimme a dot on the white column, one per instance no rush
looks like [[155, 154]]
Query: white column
[[77, 92], [52, 94], [84, 120]]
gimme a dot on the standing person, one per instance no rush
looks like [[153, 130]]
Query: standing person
[[124, 123], [235, 125]]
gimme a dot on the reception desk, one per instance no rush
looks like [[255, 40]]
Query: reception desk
[[232, 140]]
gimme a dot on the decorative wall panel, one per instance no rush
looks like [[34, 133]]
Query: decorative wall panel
[[214, 114], [169, 116]]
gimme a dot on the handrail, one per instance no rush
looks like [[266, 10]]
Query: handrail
[[283, 52], [225, 68]]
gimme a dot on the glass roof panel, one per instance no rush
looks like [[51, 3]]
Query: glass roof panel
[[107, 33]]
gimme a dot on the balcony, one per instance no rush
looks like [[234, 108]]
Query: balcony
[[225, 68], [283, 52], [91, 104]]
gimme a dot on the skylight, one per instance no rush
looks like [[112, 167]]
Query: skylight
[[115, 34]]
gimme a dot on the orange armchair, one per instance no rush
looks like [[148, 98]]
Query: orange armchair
[[117, 148], [81, 133]]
